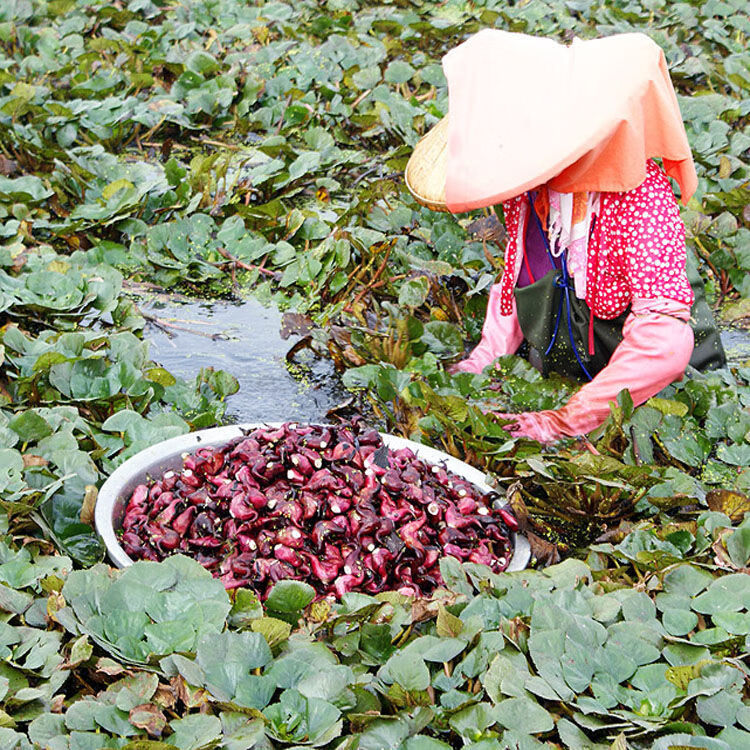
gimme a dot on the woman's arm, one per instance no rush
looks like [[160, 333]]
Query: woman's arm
[[501, 334], [654, 352], [648, 239]]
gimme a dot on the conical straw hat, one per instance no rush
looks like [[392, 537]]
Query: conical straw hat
[[428, 166]]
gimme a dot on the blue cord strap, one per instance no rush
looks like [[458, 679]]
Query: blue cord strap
[[563, 283]]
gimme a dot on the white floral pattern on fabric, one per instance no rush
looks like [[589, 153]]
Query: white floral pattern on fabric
[[637, 251]]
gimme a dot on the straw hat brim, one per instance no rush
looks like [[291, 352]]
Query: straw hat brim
[[428, 167]]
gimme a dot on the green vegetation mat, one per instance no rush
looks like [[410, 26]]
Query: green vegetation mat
[[222, 147]]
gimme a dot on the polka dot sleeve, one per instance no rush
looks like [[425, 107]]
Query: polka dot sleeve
[[652, 241]]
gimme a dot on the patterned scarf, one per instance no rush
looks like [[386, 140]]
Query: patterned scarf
[[567, 218]]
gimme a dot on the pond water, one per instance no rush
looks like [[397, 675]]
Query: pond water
[[243, 339], [736, 344]]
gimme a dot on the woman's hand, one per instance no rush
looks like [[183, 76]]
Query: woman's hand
[[542, 426]]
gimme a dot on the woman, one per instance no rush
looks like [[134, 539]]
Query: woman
[[595, 273]]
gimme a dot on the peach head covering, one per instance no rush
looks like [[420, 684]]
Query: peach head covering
[[525, 111]]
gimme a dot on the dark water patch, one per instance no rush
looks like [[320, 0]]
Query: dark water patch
[[243, 339], [736, 341]]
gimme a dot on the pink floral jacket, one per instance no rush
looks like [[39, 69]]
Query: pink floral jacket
[[637, 251]]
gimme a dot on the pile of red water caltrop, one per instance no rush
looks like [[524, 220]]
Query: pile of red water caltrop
[[329, 505]]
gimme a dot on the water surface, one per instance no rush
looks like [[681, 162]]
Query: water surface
[[243, 339], [736, 342]]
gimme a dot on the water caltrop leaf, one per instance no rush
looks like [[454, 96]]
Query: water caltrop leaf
[[472, 721], [227, 658], [679, 621], [575, 739], [114, 720], [114, 187], [736, 455], [447, 624], [398, 72], [738, 546], [149, 607], [29, 426], [27, 188], [240, 732], [733, 504], [170, 636], [687, 579], [224, 149], [290, 596], [502, 679], [80, 651], [255, 691], [442, 338], [201, 62], [275, 631], [409, 671], [298, 719], [46, 728], [13, 740], [328, 684], [688, 742], [149, 717], [666, 406], [375, 640], [413, 293], [136, 690], [729, 593], [391, 731], [454, 576], [194, 731], [736, 623], [423, 742], [161, 376]]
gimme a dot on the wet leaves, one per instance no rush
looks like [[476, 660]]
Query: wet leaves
[[148, 610], [148, 717], [646, 666], [733, 504], [64, 450]]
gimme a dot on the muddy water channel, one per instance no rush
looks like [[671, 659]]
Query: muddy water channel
[[243, 339]]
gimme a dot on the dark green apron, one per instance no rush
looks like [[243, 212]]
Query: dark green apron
[[555, 323]]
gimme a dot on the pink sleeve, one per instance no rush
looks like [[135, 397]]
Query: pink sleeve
[[651, 238], [654, 352], [501, 334]]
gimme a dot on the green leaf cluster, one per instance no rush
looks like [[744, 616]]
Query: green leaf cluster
[[224, 147], [570, 656]]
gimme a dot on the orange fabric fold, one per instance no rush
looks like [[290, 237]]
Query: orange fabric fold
[[525, 111], [541, 206]]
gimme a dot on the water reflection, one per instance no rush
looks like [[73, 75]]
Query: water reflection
[[243, 339], [736, 343]]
